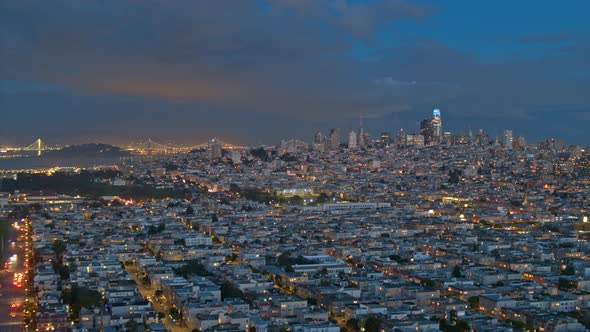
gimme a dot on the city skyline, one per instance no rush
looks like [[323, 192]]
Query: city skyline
[[430, 128], [294, 165], [263, 70]]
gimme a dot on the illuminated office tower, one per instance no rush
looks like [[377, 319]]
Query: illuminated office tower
[[519, 143], [482, 138], [335, 138], [318, 138], [507, 139], [426, 131], [447, 138], [436, 124], [352, 140], [214, 149], [400, 138], [431, 129], [415, 140], [364, 138], [385, 139]]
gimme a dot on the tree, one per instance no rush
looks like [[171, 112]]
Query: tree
[[63, 271], [234, 188], [145, 280], [427, 283], [116, 202], [189, 210], [132, 326], [284, 258], [215, 239], [279, 280], [322, 198], [463, 325], [352, 325], [193, 267], [454, 176], [473, 302], [158, 293], [59, 247], [260, 153], [296, 200], [80, 297], [457, 272], [568, 271], [228, 290], [372, 324], [174, 313]]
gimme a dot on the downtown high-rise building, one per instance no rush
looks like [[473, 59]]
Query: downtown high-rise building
[[426, 130], [214, 149], [318, 138], [519, 143], [352, 140], [385, 139], [334, 138], [400, 138], [436, 125], [507, 139], [482, 138], [431, 129]]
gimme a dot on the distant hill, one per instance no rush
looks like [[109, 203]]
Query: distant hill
[[92, 150]]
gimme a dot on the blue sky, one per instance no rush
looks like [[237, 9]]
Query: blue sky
[[261, 70]]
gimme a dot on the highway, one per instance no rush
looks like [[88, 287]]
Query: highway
[[11, 296]]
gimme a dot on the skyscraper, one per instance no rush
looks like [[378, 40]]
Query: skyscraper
[[385, 138], [318, 138], [436, 123], [415, 140], [426, 130], [482, 138], [519, 143], [507, 140], [363, 138], [447, 138], [214, 149], [431, 129], [335, 138], [352, 140], [400, 138]]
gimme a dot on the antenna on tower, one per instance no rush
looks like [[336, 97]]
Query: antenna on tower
[[361, 120]]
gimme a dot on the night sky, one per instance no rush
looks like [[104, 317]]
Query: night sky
[[74, 71]]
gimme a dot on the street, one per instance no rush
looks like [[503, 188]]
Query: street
[[158, 306], [12, 290]]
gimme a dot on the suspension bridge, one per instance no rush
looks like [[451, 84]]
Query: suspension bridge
[[150, 146], [38, 146], [224, 145], [147, 146]]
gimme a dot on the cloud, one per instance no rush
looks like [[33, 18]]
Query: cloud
[[547, 38], [286, 60], [19, 87], [220, 52], [360, 18]]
